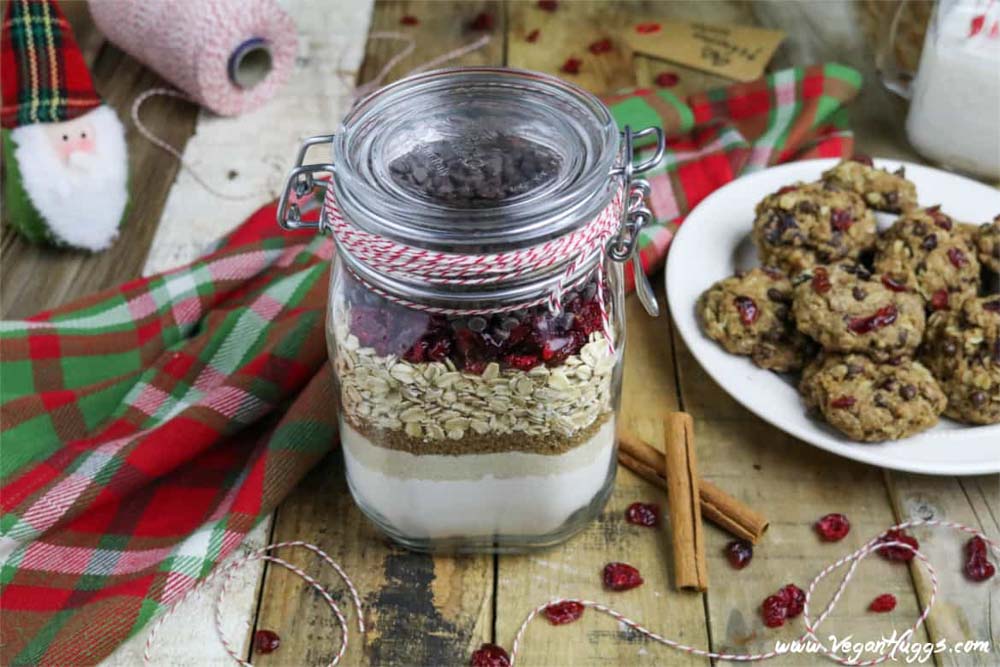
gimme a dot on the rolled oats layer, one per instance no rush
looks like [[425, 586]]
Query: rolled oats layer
[[433, 407]]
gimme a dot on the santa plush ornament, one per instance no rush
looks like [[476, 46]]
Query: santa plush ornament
[[65, 159]]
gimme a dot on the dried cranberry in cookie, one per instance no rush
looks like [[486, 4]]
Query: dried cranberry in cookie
[[962, 349], [871, 401], [806, 224], [931, 254], [852, 310], [748, 314], [881, 189]]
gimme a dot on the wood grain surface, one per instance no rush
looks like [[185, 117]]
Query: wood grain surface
[[434, 610]]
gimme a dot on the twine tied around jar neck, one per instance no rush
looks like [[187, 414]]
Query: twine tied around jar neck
[[443, 269]]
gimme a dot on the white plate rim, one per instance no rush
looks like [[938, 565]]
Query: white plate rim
[[686, 324]]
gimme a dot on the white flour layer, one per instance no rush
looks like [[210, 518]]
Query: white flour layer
[[440, 496]]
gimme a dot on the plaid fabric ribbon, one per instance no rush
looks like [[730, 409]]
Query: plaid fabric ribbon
[[148, 428]]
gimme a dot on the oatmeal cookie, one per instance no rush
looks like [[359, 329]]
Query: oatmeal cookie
[[806, 224], [927, 252], [869, 401], [847, 309], [749, 314], [962, 349], [988, 244], [881, 189]]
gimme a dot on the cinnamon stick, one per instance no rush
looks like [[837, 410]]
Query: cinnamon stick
[[722, 509], [681, 471]]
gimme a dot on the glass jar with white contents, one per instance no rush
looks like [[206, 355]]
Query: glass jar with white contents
[[475, 324]]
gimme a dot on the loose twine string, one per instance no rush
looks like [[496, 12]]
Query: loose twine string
[[811, 627]]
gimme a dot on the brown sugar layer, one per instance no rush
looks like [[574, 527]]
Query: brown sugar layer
[[551, 444]]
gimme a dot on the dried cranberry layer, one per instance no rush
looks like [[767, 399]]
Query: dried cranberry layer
[[521, 340]]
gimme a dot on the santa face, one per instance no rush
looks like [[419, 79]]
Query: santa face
[[76, 175]]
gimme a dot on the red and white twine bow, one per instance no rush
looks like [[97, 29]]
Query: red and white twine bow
[[409, 263]]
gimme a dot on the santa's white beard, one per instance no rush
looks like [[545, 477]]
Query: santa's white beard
[[83, 201]]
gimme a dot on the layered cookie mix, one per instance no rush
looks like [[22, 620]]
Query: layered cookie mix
[[847, 309], [870, 401], [493, 410], [962, 349], [807, 223], [880, 189], [750, 314], [925, 251]]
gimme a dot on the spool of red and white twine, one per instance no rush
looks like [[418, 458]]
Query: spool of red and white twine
[[409, 263], [811, 627]]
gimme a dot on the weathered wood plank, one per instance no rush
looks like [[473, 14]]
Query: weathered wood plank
[[39, 277], [420, 609], [964, 610]]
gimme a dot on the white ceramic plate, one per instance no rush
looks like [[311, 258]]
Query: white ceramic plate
[[714, 242]]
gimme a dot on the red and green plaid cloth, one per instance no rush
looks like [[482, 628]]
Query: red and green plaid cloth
[[148, 428]]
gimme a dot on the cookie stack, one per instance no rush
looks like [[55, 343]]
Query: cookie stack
[[888, 330]]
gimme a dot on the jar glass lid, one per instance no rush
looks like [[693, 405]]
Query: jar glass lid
[[475, 159]]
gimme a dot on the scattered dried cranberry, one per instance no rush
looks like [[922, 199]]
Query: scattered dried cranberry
[[992, 306], [643, 514], [667, 79], [939, 300], [957, 258], [621, 577], [548, 5], [648, 28], [863, 159], [266, 641], [893, 285], [883, 317], [571, 66], [409, 20], [774, 610], [883, 603], [533, 36], [561, 613], [843, 402], [490, 655], [739, 553], [483, 21], [748, 310], [833, 527], [979, 569], [600, 46], [897, 553], [787, 603], [820, 281], [795, 599], [977, 565], [841, 219]]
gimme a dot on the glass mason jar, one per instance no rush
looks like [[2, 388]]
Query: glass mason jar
[[475, 322]]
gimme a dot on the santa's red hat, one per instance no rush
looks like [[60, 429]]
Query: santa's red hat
[[44, 78]]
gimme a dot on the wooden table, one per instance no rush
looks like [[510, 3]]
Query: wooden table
[[435, 610]]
